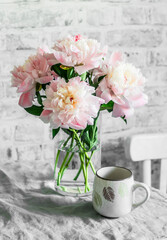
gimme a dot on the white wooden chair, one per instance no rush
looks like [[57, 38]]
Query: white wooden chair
[[147, 147]]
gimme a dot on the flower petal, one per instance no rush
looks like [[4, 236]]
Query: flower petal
[[44, 79], [26, 99], [139, 100], [63, 58], [115, 57], [45, 116], [83, 68], [122, 110], [26, 85]]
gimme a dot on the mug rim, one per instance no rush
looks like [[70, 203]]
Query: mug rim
[[131, 174]]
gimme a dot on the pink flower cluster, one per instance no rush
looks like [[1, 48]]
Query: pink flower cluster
[[35, 70], [72, 102], [81, 53], [123, 84]]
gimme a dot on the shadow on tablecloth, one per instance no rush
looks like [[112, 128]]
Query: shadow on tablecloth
[[37, 212], [31, 210]]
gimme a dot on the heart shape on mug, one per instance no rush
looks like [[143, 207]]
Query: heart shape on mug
[[108, 194]]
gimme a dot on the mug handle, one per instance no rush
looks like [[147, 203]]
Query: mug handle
[[146, 188]]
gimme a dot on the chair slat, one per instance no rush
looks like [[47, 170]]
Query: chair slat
[[141, 147], [147, 172], [146, 146], [163, 176]]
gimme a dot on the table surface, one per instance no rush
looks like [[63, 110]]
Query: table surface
[[35, 212]]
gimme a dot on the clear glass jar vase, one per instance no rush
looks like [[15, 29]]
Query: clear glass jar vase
[[75, 162]]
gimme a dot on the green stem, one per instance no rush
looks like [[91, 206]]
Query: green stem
[[58, 154], [67, 164], [92, 167], [89, 158], [39, 98], [64, 161], [78, 173], [61, 168], [86, 167], [87, 184], [90, 162], [72, 141], [65, 143], [84, 171], [84, 149], [78, 139], [56, 161]]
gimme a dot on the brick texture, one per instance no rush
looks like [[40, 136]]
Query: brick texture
[[138, 28]]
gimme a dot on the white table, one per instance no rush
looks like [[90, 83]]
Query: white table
[[37, 213]]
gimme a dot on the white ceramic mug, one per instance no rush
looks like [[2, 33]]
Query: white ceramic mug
[[113, 189]]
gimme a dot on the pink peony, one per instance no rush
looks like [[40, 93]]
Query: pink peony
[[81, 53], [70, 104], [35, 70], [123, 85], [48, 54]]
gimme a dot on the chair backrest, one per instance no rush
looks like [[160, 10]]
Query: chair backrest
[[147, 147]]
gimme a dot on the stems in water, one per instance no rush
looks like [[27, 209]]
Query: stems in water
[[84, 158]]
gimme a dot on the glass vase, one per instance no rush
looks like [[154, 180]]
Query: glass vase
[[75, 165]]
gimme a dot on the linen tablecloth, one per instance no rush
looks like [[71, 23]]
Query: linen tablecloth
[[32, 210]]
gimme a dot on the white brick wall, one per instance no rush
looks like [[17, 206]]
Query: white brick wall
[[136, 27]]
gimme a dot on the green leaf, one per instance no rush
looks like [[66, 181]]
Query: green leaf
[[38, 87], [85, 135], [39, 98], [101, 78], [85, 138], [67, 131], [89, 135], [93, 144], [56, 69], [98, 81], [35, 110], [124, 119], [93, 136], [89, 79], [70, 73], [44, 86], [61, 72], [65, 72], [83, 76], [108, 106], [65, 67], [55, 132]]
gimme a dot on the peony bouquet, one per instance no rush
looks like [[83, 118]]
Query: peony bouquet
[[69, 85]]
